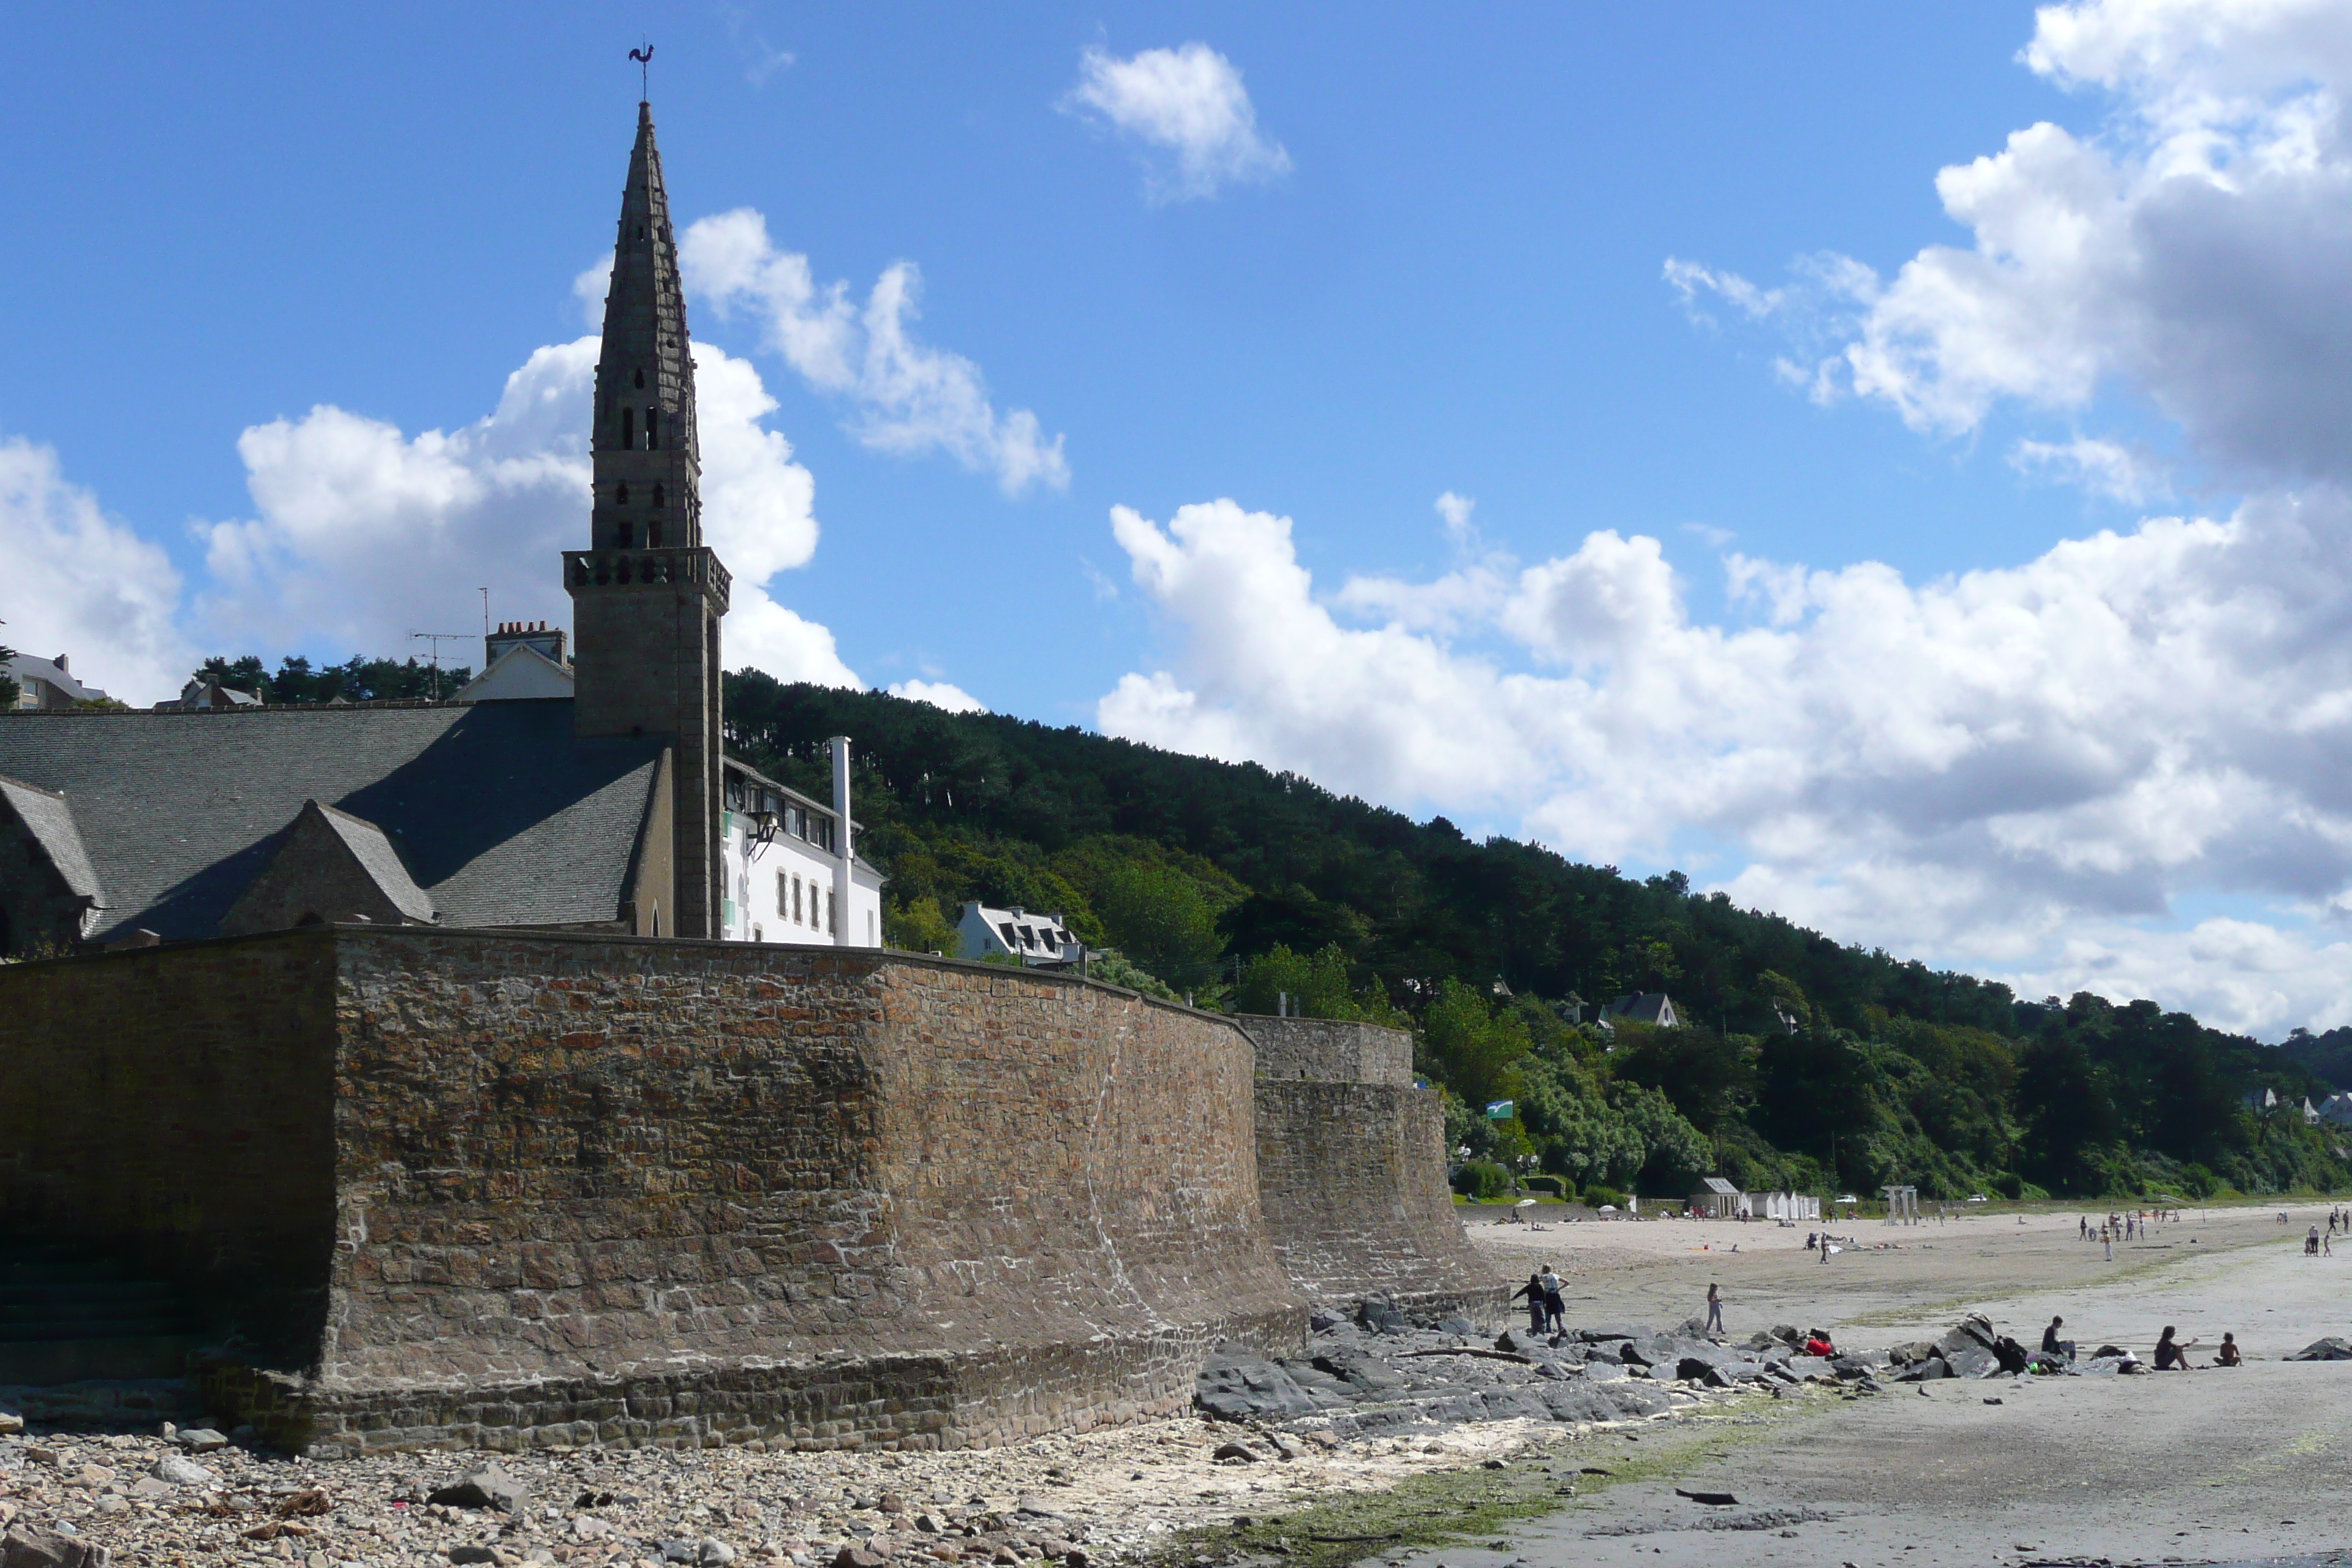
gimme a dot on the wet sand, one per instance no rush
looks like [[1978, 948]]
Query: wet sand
[[2210, 1466]]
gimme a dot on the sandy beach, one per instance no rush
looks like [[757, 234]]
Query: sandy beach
[[2211, 1465]]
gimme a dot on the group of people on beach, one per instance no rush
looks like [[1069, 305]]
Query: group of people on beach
[[2129, 1224], [2171, 1355]]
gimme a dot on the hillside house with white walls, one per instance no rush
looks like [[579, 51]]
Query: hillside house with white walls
[[1042, 942]]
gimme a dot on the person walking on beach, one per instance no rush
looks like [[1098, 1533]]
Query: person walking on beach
[[1714, 1309], [2107, 1240]]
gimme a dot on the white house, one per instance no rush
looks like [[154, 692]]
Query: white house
[[1643, 1007], [520, 660], [792, 875], [1042, 942]]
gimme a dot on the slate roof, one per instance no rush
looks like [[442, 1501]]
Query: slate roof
[[50, 820], [500, 816], [376, 856]]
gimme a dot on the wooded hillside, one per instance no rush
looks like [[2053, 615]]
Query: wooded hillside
[[1807, 1063]]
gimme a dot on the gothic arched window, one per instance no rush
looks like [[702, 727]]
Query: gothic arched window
[[653, 429], [641, 375], [657, 495], [628, 428], [621, 494]]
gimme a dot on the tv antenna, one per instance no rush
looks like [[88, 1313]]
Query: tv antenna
[[644, 58], [437, 639]]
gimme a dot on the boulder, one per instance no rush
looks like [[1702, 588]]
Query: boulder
[[486, 1485], [1911, 1352], [30, 1546], [2329, 1348], [1359, 1369], [181, 1472], [1237, 1383], [200, 1440], [1613, 1331]]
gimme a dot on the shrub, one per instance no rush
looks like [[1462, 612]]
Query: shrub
[[1557, 1186], [2008, 1183], [1481, 1179], [1596, 1196]]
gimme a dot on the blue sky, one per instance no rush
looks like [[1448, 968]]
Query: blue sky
[[1447, 271]]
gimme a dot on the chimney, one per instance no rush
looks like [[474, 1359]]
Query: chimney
[[843, 849], [63, 667]]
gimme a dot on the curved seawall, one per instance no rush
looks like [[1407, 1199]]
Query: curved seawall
[[607, 1190], [1352, 1172]]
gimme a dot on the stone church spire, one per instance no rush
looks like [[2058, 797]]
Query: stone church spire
[[648, 464], [646, 595]]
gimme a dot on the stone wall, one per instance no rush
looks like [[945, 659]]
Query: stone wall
[[611, 1190], [172, 1105], [1328, 1050], [1351, 1171]]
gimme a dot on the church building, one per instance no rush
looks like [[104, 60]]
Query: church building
[[591, 794]]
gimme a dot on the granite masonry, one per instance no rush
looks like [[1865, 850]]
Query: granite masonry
[[1351, 1172], [506, 1190]]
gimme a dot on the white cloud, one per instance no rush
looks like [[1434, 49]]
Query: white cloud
[[1187, 102], [938, 694], [362, 535], [910, 398], [1456, 511], [2194, 251], [2103, 467], [82, 583], [2021, 769]]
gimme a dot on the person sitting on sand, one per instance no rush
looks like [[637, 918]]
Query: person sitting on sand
[[2227, 1354], [2052, 1343], [2168, 1355]]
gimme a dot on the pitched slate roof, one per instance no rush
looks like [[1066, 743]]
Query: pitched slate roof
[[381, 861], [500, 816], [49, 819]]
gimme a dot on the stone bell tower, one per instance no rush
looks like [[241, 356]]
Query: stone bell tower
[[646, 595]]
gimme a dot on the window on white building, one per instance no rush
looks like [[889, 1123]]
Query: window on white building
[[832, 915], [783, 897]]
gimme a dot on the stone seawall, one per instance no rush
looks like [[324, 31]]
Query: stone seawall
[[1351, 1170], [571, 1190]]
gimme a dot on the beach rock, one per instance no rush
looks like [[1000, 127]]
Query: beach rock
[[201, 1440], [30, 1546], [2329, 1348], [1237, 1383], [1613, 1331], [181, 1472], [487, 1485]]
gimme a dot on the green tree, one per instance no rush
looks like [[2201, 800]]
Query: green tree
[[1159, 918], [1473, 1050], [10, 690]]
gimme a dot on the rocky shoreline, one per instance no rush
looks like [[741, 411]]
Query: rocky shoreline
[[1374, 1400]]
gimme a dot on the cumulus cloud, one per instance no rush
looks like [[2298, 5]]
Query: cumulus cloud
[[2018, 769], [910, 398], [83, 584], [2193, 251], [1187, 105], [938, 694], [362, 534]]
